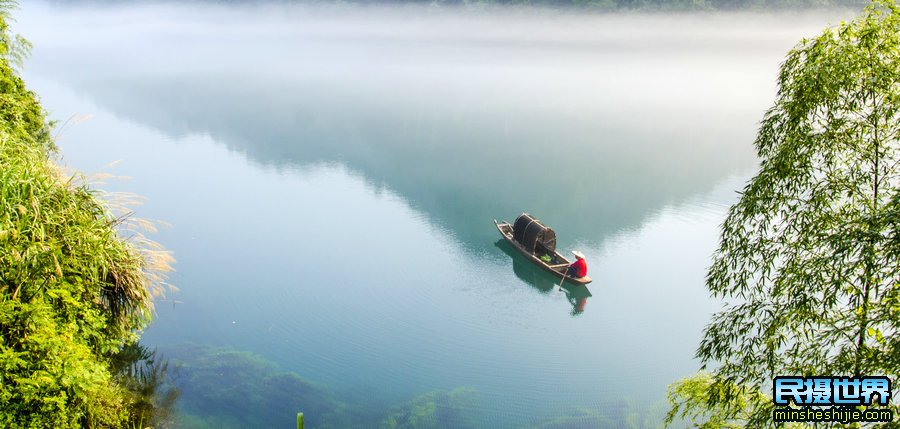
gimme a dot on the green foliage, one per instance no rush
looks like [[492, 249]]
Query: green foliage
[[810, 252], [71, 290], [48, 380], [710, 402], [13, 47]]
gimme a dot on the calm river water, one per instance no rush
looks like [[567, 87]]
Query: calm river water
[[331, 173]]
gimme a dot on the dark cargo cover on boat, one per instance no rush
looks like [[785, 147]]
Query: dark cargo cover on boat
[[532, 234]]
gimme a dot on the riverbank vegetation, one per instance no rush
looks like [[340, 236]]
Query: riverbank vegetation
[[809, 255], [75, 286]]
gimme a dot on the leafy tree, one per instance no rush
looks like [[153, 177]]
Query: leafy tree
[[712, 403], [810, 255]]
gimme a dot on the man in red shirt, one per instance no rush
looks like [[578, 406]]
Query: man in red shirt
[[578, 269]]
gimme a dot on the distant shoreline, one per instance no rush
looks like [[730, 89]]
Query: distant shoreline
[[555, 5]]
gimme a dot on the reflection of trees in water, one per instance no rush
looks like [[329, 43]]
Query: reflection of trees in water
[[145, 374], [458, 164]]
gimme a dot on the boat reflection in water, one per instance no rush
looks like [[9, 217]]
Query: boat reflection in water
[[543, 281], [577, 295]]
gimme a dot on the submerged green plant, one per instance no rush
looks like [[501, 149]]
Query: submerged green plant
[[433, 410], [226, 388]]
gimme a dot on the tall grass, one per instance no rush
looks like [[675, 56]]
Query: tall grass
[[56, 232], [77, 276]]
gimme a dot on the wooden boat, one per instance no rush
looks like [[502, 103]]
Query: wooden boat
[[536, 277], [558, 263]]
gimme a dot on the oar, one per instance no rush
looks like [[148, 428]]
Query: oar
[[565, 270]]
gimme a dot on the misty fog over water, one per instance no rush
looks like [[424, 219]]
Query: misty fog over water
[[331, 174]]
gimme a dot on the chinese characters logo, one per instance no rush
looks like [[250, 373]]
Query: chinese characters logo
[[832, 399]]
